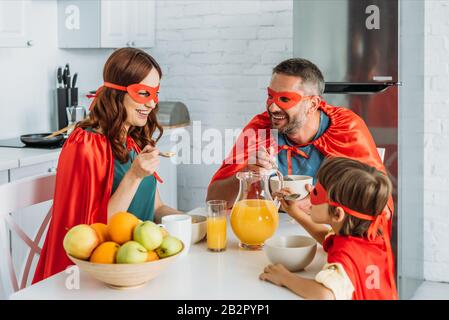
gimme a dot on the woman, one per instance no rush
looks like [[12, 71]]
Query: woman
[[108, 164]]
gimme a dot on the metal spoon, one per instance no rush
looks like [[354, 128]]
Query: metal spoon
[[166, 154], [292, 197]]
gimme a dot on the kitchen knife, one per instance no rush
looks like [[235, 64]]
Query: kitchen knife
[[67, 74], [59, 77], [67, 67], [75, 77], [64, 78], [68, 77]]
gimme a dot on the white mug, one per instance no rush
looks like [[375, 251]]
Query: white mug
[[179, 226], [298, 185]]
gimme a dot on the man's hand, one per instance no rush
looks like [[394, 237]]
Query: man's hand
[[261, 161]]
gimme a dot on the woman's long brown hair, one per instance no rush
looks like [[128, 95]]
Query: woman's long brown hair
[[124, 67]]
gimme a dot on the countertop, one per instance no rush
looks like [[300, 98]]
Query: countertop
[[201, 274], [11, 158]]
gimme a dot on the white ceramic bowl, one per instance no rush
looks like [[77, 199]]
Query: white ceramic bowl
[[294, 252], [199, 228], [298, 185], [123, 276]]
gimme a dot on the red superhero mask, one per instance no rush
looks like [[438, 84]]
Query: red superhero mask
[[140, 93], [319, 196], [284, 100]]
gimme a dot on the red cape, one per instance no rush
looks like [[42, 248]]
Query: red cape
[[83, 187], [363, 261], [347, 136]]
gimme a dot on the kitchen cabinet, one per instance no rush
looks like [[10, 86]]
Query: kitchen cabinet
[[106, 23], [4, 176], [15, 18]]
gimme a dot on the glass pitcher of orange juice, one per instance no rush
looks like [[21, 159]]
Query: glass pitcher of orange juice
[[254, 216]]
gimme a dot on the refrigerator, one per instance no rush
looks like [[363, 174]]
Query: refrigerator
[[357, 46]]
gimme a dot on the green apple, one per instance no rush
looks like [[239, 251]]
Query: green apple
[[80, 241], [169, 247], [132, 252], [148, 234]]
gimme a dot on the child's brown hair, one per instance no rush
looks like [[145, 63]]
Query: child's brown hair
[[357, 186]]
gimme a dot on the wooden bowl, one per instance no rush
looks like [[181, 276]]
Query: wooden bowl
[[124, 276]]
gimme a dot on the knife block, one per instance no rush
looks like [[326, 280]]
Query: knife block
[[62, 101]]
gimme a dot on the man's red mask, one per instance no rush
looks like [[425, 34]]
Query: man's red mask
[[284, 100]]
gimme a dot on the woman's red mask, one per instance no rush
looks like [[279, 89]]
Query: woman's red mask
[[284, 100], [140, 93]]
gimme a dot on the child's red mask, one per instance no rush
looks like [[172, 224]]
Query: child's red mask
[[140, 93], [284, 100], [319, 196]]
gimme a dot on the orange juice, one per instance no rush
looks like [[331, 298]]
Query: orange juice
[[254, 221], [216, 233]]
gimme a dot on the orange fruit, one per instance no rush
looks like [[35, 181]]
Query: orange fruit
[[102, 231], [105, 252], [121, 227], [152, 255]]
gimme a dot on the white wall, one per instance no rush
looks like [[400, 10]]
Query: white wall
[[436, 183], [218, 56]]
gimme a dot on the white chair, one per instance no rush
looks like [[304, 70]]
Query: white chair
[[15, 196], [381, 152]]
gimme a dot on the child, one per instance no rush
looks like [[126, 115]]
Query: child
[[350, 197]]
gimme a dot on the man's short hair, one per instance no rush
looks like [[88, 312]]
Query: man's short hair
[[304, 69]]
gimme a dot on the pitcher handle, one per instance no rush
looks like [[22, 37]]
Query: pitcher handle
[[277, 203]]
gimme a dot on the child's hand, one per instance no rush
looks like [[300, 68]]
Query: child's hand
[[291, 207], [275, 274], [286, 205]]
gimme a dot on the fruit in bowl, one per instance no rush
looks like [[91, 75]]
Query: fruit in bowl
[[81, 241], [148, 234], [169, 246], [132, 252], [122, 255]]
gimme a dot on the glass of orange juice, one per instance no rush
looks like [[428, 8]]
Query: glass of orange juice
[[216, 225]]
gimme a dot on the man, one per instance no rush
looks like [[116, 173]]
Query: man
[[309, 130]]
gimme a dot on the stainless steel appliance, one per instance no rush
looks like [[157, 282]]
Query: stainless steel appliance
[[173, 114], [356, 44]]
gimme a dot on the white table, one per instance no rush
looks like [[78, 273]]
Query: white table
[[232, 274]]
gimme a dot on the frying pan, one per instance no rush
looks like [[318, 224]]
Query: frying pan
[[38, 140]]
